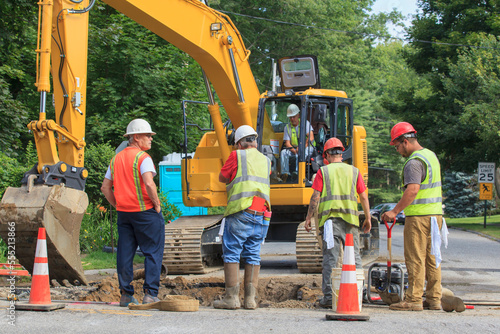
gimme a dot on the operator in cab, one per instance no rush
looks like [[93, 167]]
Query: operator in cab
[[129, 187], [335, 202], [291, 141], [246, 219]]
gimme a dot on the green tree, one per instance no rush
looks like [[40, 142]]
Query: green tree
[[456, 81], [294, 27], [133, 73], [17, 67]]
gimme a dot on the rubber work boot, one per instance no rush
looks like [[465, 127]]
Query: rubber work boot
[[431, 305], [325, 303], [231, 299], [406, 306], [251, 284], [127, 299], [148, 299], [452, 303]]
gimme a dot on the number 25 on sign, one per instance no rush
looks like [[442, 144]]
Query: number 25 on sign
[[486, 172]]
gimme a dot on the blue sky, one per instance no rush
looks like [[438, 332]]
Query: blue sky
[[406, 7]]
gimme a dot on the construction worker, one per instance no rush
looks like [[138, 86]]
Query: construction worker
[[246, 174], [291, 141], [422, 203], [334, 197], [129, 187]]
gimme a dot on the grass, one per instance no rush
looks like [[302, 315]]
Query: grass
[[102, 260], [477, 224]]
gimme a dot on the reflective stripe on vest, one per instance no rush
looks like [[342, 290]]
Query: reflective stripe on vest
[[338, 197], [129, 189], [252, 179], [429, 198]]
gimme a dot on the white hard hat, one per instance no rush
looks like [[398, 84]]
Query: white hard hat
[[138, 126], [244, 131], [292, 110]]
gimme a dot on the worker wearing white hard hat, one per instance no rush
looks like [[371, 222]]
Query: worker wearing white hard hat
[[246, 219], [291, 137], [243, 132], [129, 187]]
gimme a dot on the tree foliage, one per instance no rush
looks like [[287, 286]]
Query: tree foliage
[[454, 103], [133, 73]]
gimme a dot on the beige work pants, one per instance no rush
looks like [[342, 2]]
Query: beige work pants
[[420, 264]]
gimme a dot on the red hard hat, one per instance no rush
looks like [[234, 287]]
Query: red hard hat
[[400, 129], [332, 143]]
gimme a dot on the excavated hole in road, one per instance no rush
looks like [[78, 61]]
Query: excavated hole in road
[[301, 291]]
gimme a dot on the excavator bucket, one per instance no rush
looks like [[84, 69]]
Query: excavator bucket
[[57, 208]]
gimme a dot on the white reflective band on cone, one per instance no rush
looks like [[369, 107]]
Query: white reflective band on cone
[[41, 248], [348, 277], [349, 255], [41, 269]]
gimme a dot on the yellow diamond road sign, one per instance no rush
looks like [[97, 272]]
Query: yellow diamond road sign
[[485, 191]]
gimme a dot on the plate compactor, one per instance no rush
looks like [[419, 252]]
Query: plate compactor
[[390, 285]]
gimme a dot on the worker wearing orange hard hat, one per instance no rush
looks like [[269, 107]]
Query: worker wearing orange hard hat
[[422, 203], [335, 201]]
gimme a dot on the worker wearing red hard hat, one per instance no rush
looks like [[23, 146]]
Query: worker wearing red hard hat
[[334, 199], [422, 203]]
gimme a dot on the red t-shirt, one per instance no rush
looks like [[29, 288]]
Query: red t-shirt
[[318, 183], [230, 167]]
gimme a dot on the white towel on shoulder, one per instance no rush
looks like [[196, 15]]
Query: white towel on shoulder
[[328, 234], [437, 238], [221, 230]]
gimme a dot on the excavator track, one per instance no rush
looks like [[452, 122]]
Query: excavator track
[[192, 245], [308, 250]]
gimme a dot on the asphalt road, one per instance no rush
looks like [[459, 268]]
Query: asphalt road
[[470, 268]]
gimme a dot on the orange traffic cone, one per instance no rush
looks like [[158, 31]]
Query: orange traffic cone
[[40, 286], [348, 303]]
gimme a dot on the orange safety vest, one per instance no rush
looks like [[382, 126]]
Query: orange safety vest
[[130, 191]]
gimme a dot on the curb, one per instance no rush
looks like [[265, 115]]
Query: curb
[[475, 232]]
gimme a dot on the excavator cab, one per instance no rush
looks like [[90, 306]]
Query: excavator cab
[[321, 117], [291, 141]]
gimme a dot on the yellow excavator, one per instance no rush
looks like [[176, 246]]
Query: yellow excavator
[[52, 192]]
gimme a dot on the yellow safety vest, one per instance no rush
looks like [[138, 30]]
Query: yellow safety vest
[[294, 136], [252, 179], [338, 197], [429, 198]]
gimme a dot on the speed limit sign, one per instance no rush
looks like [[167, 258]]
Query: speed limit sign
[[486, 172]]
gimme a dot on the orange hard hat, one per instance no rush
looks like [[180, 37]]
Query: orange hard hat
[[400, 129], [332, 143]]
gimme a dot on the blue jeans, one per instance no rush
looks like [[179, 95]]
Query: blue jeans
[[285, 159], [146, 229], [243, 235]]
